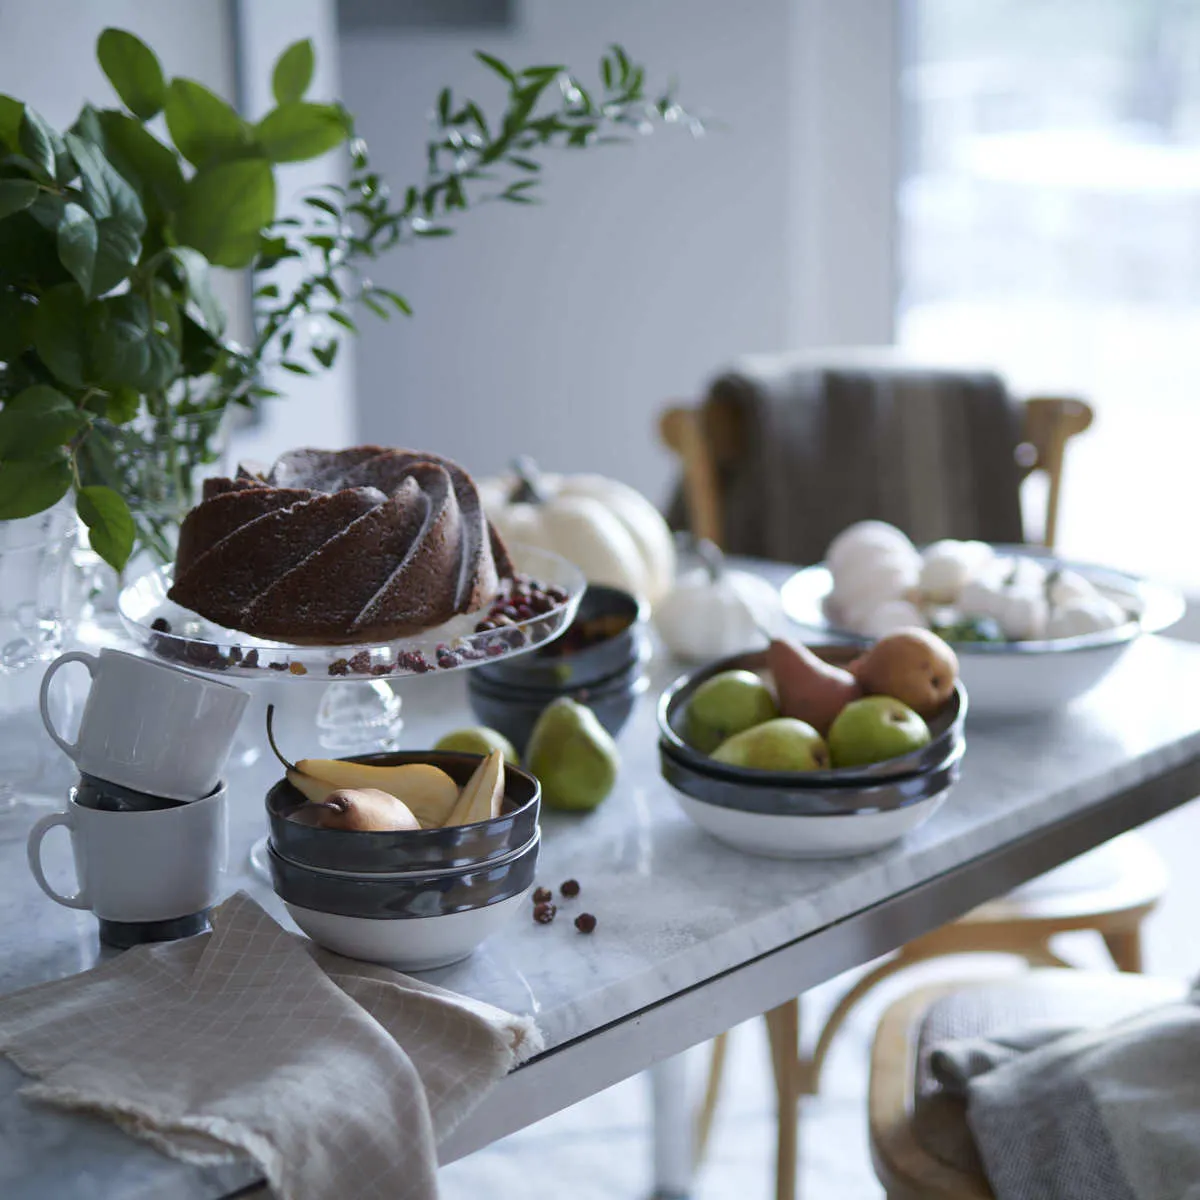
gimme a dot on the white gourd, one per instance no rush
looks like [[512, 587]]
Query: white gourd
[[714, 611], [1091, 614], [890, 616], [610, 531]]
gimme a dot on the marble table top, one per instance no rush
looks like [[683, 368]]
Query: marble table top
[[674, 907]]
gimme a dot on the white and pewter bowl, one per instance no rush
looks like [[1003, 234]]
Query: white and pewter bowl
[[412, 920], [1012, 679], [825, 823]]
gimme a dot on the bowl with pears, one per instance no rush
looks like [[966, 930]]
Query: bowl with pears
[[810, 752], [410, 858]]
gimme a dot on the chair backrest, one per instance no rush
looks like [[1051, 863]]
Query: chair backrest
[[710, 436]]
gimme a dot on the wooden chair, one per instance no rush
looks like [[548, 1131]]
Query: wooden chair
[[709, 437], [921, 1147]]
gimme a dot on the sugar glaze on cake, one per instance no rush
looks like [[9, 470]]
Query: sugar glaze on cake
[[339, 546]]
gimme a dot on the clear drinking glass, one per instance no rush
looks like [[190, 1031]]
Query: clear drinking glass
[[38, 605]]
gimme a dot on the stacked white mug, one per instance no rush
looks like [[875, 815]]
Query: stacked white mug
[[147, 819]]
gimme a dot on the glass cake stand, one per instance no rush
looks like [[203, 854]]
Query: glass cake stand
[[356, 710]]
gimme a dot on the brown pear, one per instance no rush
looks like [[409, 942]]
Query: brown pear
[[363, 810], [912, 665], [809, 689]]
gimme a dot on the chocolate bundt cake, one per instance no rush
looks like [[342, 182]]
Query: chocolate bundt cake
[[358, 545]]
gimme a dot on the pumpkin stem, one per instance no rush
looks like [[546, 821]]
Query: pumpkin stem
[[713, 560], [529, 488]]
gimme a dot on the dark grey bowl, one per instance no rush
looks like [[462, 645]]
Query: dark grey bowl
[[945, 729], [774, 797], [414, 894], [552, 667], [514, 711], [93, 792], [410, 850]]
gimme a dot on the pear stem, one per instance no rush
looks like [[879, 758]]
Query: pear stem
[[291, 766]]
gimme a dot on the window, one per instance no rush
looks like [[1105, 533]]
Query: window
[[1049, 223]]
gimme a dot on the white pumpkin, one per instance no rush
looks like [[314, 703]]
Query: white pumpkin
[[713, 611], [608, 529]]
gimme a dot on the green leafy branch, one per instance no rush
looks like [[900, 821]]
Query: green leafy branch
[[469, 160]]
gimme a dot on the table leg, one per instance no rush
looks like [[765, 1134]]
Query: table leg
[[672, 1128]]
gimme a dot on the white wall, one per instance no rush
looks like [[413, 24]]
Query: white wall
[[559, 331]]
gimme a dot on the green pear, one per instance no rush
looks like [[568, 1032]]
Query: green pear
[[783, 744], [873, 729], [572, 755], [479, 739], [724, 705]]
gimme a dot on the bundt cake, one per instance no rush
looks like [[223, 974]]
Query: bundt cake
[[331, 547]]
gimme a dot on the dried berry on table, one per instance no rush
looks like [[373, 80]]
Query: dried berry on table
[[585, 922], [251, 659], [298, 668], [570, 888], [160, 625], [543, 914], [542, 895]]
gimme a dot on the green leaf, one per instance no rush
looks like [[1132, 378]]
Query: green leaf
[[58, 333], [293, 72], [122, 405], [37, 142], [195, 270], [326, 353], [298, 131], [124, 347], [11, 112], [295, 367], [140, 156], [15, 195], [110, 524], [204, 127], [28, 488], [496, 65], [133, 70], [225, 209], [77, 240], [399, 301], [36, 421], [443, 106]]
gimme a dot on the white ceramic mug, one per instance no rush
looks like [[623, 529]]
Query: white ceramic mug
[[141, 866], [150, 726]]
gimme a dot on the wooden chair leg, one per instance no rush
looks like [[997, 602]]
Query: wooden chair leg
[[783, 1031], [1043, 956], [810, 1069], [712, 1093], [1125, 946]]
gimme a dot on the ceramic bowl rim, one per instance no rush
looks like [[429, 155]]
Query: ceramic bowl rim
[[946, 771], [415, 876], [384, 758], [1162, 607], [903, 766]]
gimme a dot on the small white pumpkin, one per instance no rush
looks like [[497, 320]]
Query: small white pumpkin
[[608, 529], [714, 611], [947, 567], [890, 616]]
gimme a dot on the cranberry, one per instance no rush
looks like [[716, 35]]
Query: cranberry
[[360, 663], [543, 914], [542, 895], [585, 922], [339, 666], [570, 888], [251, 659]]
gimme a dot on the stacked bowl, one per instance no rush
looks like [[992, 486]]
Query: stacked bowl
[[600, 661], [415, 899], [808, 814]]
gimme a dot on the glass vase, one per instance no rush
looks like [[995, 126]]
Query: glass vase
[[38, 608]]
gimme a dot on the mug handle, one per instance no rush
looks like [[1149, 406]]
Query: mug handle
[[71, 749], [34, 850]]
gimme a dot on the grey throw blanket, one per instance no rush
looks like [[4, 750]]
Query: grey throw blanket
[[931, 451], [1107, 1114]]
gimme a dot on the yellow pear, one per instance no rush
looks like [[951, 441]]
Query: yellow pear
[[483, 794], [427, 790]]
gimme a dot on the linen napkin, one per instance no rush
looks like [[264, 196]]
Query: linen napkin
[[337, 1077], [1108, 1114], [869, 435]]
